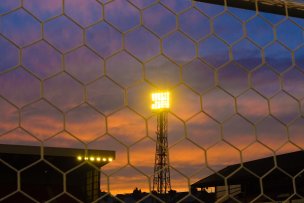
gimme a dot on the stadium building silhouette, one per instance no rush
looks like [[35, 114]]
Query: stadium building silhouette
[[43, 173]]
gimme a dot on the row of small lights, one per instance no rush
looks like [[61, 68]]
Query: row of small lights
[[92, 158]]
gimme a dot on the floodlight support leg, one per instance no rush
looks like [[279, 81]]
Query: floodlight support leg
[[161, 181]]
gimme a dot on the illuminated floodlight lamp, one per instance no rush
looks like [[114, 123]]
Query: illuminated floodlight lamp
[[160, 100]]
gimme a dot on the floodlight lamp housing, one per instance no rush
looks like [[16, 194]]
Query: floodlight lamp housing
[[160, 101]]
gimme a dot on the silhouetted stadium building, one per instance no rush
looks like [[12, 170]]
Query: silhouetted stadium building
[[281, 177], [50, 173]]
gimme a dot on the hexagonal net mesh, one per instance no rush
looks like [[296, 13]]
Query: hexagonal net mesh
[[79, 74]]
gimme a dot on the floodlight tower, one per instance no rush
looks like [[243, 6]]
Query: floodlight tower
[[160, 106]]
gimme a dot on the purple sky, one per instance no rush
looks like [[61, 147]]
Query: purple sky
[[82, 76]]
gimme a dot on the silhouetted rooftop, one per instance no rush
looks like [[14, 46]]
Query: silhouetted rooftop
[[291, 163], [294, 8], [19, 155]]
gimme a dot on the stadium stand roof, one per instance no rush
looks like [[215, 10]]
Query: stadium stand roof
[[18, 155], [292, 163], [293, 8]]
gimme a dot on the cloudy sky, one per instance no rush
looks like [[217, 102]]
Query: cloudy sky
[[80, 74]]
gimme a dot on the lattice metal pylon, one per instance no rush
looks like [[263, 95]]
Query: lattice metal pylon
[[161, 181]]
